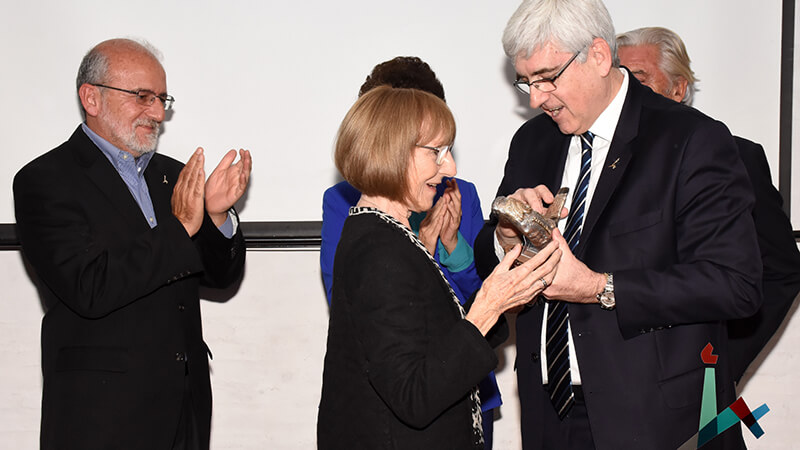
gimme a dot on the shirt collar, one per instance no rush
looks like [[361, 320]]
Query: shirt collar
[[606, 123], [118, 158]]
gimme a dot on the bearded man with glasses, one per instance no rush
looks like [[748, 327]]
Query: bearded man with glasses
[[120, 239], [659, 249]]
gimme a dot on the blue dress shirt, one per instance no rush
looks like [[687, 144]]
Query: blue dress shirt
[[131, 170]]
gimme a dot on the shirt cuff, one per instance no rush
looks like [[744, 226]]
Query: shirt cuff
[[460, 259], [229, 227], [498, 249]]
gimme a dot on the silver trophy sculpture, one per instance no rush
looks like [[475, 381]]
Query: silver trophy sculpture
[[534, 229]]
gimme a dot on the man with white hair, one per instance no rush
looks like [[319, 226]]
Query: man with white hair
[[658, 246], [657, 57]]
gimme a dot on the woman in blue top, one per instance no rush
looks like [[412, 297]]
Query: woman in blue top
[[448, 230]]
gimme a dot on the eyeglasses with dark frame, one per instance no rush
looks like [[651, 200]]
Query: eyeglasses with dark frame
[[441, 152], [144, 97], [543, 84]]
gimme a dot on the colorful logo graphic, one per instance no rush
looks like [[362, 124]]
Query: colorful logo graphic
[[712, 424]]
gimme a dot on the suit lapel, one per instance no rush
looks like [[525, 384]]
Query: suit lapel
[[552, 164], [617, 160], [160, 184], [105, 177], [556, 163]]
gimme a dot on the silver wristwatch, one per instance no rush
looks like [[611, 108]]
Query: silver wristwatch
[[606, 298]]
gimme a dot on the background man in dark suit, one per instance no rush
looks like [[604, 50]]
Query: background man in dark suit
[[657, 57], [663, 250], [120, 238]]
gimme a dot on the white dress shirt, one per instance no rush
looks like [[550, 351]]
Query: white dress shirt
[[603, 130]]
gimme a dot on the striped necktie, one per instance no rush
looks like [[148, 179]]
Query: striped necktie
[[559, 381]]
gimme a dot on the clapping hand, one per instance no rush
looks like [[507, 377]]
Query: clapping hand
[[452, 215], [442, 221], [226, 184], [187, 197]]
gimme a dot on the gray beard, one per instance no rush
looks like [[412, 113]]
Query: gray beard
[[150, 143], [128, 136]]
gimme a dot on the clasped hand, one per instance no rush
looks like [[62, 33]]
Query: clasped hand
[[442, 221], [193, 194]]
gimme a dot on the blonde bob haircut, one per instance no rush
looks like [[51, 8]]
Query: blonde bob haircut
[[376, 139]]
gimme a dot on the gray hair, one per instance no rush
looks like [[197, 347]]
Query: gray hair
[[674, 61], [94, 66], [570, 25]]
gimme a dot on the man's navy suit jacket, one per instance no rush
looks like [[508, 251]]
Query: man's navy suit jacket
[[670, 218]]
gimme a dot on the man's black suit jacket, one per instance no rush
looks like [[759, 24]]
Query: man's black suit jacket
[[122, 324], [781, 259], [670, 217]]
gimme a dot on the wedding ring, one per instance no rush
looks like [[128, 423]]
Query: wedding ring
[[544, 283]]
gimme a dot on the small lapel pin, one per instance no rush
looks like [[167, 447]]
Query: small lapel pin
[[167, 182], [612, 166]]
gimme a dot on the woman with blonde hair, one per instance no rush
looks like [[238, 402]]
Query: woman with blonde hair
[[404, 357]]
